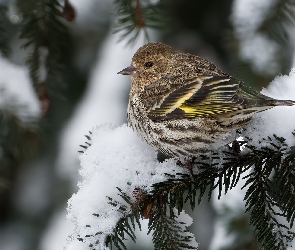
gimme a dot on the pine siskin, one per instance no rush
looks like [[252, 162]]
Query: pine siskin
[[183, 104]]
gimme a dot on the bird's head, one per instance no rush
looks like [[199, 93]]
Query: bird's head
[[150, 63]]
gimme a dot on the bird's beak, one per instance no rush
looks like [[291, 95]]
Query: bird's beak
[[128, 71]]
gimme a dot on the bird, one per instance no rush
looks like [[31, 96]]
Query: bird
[[184, 105]]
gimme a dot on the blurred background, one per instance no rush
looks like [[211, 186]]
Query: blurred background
[[58, 79]]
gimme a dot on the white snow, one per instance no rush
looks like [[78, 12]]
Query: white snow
[[116, 158], [17, 95], [292, 245], [278, 120]]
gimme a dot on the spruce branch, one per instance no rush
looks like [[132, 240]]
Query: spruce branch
[[264, 190], [167, 231], [263, 209], [87, 143], [135, 16], [284, 184], [260, 203], [127, 224], [183, 188], [45, 35], [159, 206], [268, 172]]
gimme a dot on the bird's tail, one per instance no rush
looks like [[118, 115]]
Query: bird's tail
[[281, 102]]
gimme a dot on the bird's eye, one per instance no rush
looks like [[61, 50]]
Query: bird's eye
[[148, 64]]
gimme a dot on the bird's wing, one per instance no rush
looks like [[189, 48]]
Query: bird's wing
[[202, 96]]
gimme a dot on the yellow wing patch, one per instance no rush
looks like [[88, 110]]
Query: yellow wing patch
[[205, 96], [177, 102], [202, 111], [175, 99]]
